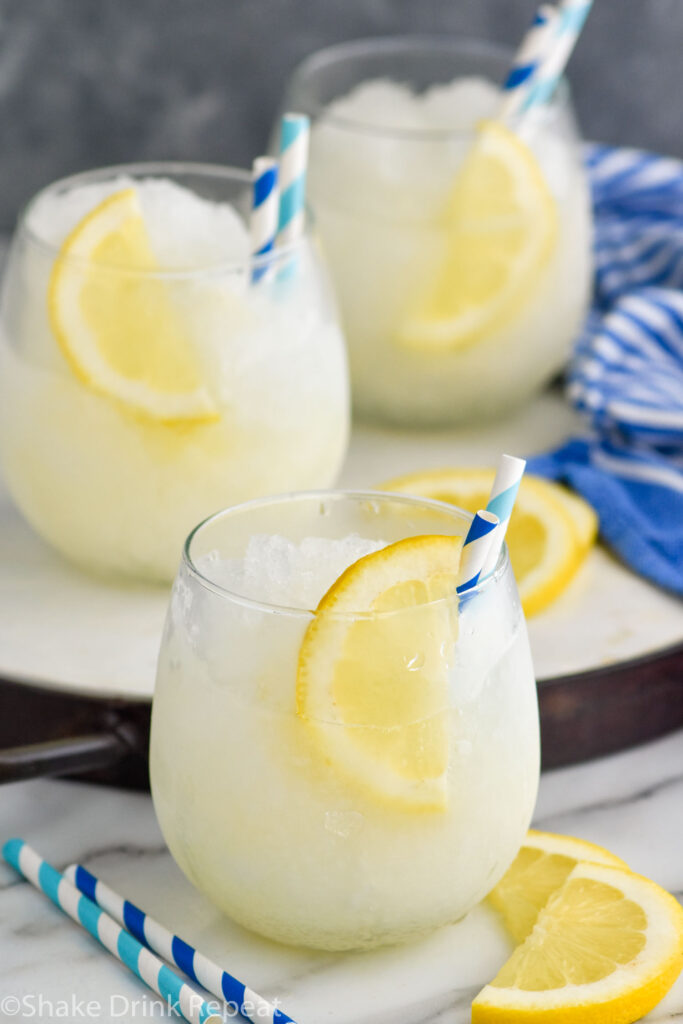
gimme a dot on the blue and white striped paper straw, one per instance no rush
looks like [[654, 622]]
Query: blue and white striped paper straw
[[294, 136], [265, 212], [475, 549], [174, 949], [501, 500], [124, 946], [571, 18], [528, 60]]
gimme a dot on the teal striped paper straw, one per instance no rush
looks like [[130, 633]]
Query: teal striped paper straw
[[155, 974], [294, 136], [174, 949], [475, 549], [265, 212], [528, 60], [501, 500], [572, 16]]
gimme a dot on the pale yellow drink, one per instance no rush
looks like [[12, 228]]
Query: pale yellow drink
[[455, 309], [114, 470], [305, 828]]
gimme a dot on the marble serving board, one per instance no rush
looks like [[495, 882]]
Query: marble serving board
[[61, 628]]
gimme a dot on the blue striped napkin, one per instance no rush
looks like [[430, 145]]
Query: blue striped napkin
[[626, 374]]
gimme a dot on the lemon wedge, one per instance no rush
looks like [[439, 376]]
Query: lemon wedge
[[606, 948], [114, 320], [541, 867], [372, 679], [551, 529], [501, 222]]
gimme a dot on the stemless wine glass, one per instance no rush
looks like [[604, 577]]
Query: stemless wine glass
[[236, 384], [299, 777], [451, 313]]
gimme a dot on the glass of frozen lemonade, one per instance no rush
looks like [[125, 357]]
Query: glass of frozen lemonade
[[152, 371], [459, 240], [344, 752]]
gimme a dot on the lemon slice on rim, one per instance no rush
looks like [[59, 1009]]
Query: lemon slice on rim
[[501, 220], [541, 867], [372, 679], [606, 948], [550, 532], [114, 320]]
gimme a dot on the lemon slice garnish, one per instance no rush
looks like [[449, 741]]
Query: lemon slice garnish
[[550, 531], [541, 867], [501, 223], [114, 319], [372, 679], [606, 948]]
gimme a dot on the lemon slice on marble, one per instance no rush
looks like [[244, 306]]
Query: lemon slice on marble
[[501, 223], [114, 319], [372, 679], [605, 949], [550, 532], [541, 867]]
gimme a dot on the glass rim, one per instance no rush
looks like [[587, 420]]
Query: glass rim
[[160, 168], [188, 562], [384, 45]]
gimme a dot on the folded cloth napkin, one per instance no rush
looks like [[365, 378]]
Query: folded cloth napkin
[[626, 374]]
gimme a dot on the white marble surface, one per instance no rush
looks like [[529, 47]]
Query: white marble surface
[[631, 803]]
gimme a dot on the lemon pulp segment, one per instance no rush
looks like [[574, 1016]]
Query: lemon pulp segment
[[114, 319], [501, 227], [541, 867], [372, 679]]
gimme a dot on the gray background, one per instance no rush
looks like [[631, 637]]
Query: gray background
[[89, 82]]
